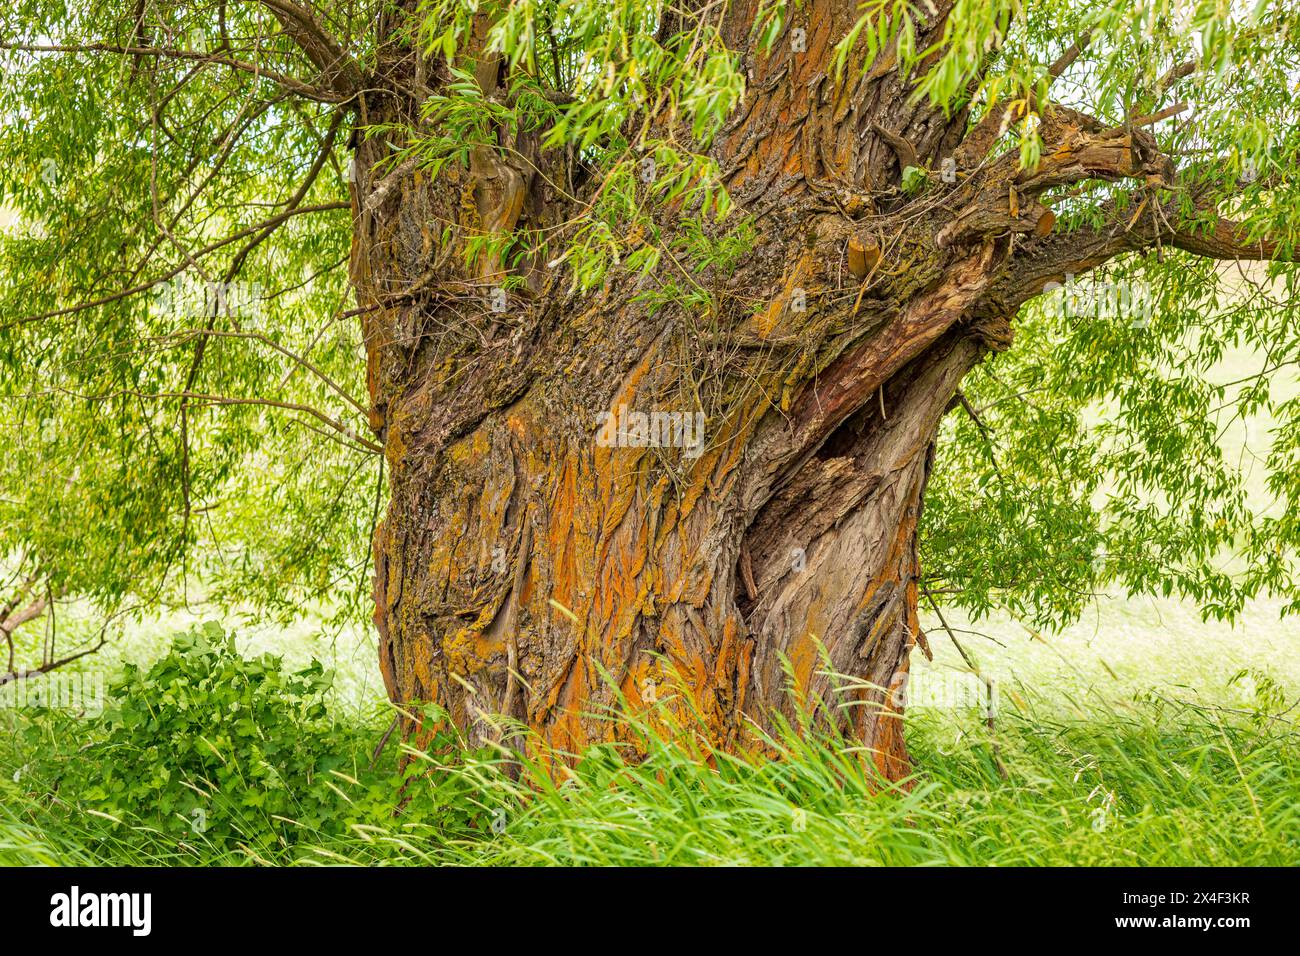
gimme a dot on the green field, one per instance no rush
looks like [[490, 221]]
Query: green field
[[1138, 736]]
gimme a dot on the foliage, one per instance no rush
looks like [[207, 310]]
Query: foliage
[[208, 751], [114, 485]]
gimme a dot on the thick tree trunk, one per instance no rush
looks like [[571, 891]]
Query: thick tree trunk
[[526, 567]]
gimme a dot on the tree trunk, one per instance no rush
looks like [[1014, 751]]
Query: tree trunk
[[527, 566]]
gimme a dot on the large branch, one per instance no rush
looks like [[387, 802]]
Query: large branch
[[337, 67], [1002, 198], [1043, 261], [1227, 240]]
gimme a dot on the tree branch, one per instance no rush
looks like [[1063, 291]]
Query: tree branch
[[298, 87], [338, 69], [177, 270]]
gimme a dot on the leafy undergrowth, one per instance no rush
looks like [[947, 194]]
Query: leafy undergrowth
[[210, 758]]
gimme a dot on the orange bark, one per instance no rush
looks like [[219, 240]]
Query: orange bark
[[527, 567]]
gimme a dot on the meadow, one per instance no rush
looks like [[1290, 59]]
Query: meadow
[[1141, 737]]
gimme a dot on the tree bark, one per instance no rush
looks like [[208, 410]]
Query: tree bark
[[526, 568]]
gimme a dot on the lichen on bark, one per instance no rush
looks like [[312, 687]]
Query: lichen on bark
[[527, 568]]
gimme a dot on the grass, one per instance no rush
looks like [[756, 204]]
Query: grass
[[1135, 790], [1144, 781], [1139, 736]]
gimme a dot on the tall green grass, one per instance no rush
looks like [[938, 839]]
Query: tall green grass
[[1147, 781]]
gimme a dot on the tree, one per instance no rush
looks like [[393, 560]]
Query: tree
[[664, 308]]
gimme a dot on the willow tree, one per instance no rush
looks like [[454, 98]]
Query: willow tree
[[659, 310]]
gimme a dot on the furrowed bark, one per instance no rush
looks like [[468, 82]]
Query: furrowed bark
[[525, 567]]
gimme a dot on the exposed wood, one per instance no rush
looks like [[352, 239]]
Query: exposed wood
[[862, 257]]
